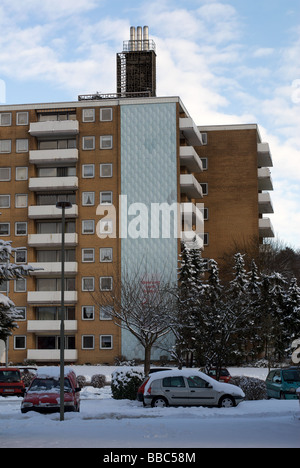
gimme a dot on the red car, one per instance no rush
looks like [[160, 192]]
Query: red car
[[11, 382], [224, 374], [43, 394]]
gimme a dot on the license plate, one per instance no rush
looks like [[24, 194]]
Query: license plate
[[8, 390]]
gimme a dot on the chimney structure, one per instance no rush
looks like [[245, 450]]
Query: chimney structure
[[136, 65]]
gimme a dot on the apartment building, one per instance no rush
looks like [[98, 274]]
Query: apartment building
[[89, 153]]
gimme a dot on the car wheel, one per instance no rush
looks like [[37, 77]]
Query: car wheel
[[159, 402], [227, 401], [282, 396]]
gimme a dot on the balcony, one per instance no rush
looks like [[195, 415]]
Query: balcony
[[51, 297], [54, 269], [190, 186], [264, 179], [53, 128], [50, 355], [46, 184], [265, 228], [52, 240], [51, 212], [265, 203], [190, 131], [51, 326], [192, 215], [192, 240], [56, 157], [264, 155], [190, 159]]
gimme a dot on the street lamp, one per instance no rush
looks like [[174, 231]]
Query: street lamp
[[63, 205]]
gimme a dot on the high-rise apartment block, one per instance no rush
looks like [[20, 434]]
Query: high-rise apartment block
[[116, 158]]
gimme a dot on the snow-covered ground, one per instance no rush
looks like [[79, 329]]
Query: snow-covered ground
[[109, 424]]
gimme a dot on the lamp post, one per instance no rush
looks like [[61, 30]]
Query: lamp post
[[62, 205]]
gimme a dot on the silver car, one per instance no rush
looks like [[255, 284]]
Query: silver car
[[189, 388]]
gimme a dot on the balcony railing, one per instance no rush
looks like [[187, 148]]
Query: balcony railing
[[54, 128], [50, 355], [51, 326], [57, 157], [46, 184]]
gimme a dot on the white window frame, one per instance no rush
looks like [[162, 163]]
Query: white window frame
[[9, 174], [15, 340], [25, 169], [84, 252], [2, 118], [83, 226], [101, 253], [86, 196], [102, 278], [88, 115], [82, 342], [86, 139], [19, 118], [85, 166], [104, 139], [2, 196], [84, 278], [16, 228], [105, 109], [25, 314], [102, 170], [18, 196], [8, 225], [22, 145], [19, 282], [111, 342], [3, 147], [106, 192], [103, 315], [92, 312], [16, 256]]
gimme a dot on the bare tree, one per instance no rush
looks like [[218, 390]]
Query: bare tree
[[142, 304]]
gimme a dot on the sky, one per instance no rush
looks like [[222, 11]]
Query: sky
[[230, 61]]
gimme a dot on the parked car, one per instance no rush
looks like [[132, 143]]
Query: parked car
[[283, 383], [43, 394], [224, 374], [11, 382], [140, 392], [189, 388]]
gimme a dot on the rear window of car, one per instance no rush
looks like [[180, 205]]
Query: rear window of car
[[49, 385], [173, 382], [291, 375]]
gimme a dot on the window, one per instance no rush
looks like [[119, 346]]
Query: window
[[21, 228], [88, 226], [204, 138], [20, 285], [21, 256], [5, 119], [4, 287], [88, 283], [4, 229], [88, 143], [54, 284], [106, 198], [105, 226], [21, 311], [88, 312], [5, 174], [56, 171], [54, 228], [88, 171], [22, 146], [52, 256], [88, 342], [52, 199], [106, 170], [21, 173], [19, 342], [21, 200], [196, 382], [106, 142], [88, 115], [106, 312], [57, 144], [50, 116], [88, 255], [204, 188], [88, 198], [106, 342], [205, 238], [173, 382], [205, 214], [22, 118], [106, 255], [204, 163], [5, 146], [106, 115], [4, 201], [106, 283]]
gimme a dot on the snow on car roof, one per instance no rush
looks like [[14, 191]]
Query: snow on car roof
[[52, 372]]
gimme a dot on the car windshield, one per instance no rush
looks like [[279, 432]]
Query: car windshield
[[49, 385], [291, 375], [9, 376]]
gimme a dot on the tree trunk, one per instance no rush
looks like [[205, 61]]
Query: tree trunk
[[147, 359]]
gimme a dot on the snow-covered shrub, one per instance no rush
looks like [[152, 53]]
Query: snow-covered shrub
[[27, 377], [98, 381], [125, 383], [81, 381], [254, 389]]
